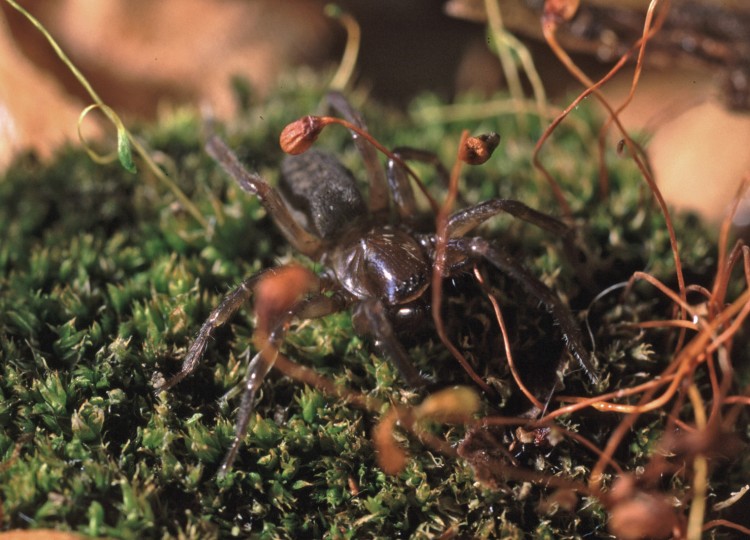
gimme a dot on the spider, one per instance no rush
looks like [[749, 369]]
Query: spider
[[374, 261]]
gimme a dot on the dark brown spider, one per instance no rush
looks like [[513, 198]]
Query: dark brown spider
[[374, 261]]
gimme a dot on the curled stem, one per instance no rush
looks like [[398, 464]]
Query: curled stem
[[125, 139]]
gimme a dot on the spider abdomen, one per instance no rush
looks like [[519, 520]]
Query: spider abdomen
[[318, 186]]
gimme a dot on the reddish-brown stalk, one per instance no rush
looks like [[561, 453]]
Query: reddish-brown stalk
[[506, 342], [696, 351], [685, 362], [441, 227], [669, 323], [549, 27], [309, 377], [725, 263], [590, 88], [641, 45], [714, 322], [742, 400], [707, 526]]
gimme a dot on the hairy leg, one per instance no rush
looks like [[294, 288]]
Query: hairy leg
[[252, 183], [219, 316]]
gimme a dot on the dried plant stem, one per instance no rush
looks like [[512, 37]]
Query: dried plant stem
[[344, 73], [507, 62], [700, 472], [507, 44], [438, 267], [506, 343]]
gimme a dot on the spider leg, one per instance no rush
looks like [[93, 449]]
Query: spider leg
[[401, 191], [369, 317], [309, 308], [479, 247], [399, 182], [378, 187], [252, 183], [219, 316], [464, 221], [423, 156]]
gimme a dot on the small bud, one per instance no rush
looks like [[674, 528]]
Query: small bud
[[390, 456], [299, 136], [478, 149], [275, 293], [451, 405]]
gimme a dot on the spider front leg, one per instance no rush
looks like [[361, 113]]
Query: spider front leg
[[464, 221], [480, 248], [399, 182], [219, 316], [252, 183]]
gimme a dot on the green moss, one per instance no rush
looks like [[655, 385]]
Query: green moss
[[104, 281]]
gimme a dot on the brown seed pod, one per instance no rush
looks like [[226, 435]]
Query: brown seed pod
[[299, 136], [478, 150]]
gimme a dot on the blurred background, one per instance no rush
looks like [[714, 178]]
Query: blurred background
[[142, 56]]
